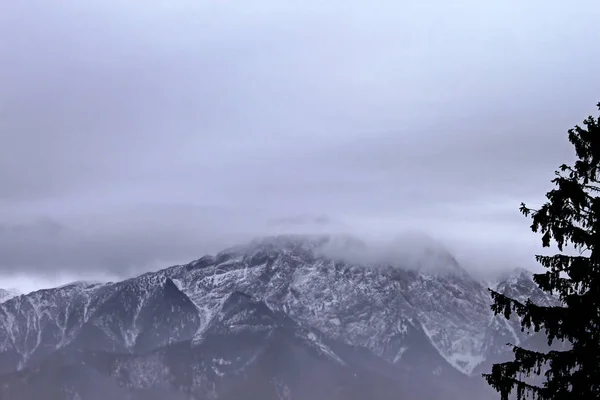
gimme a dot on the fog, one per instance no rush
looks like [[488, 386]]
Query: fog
[[136, 137]]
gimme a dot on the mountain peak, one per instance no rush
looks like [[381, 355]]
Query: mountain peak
[[279, 243], [409, 251], [81, 284], [519, 271], [7, 294], [306, 245], [513, 276]]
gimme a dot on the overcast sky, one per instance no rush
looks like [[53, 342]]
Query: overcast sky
[[134, 135]]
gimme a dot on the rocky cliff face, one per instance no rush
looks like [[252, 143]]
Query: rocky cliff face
[[278, 318]]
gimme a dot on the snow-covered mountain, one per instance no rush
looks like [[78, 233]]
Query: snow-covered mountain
[[268, 316], [7, 294]]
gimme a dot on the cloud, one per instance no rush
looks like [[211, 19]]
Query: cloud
[[152, 134]]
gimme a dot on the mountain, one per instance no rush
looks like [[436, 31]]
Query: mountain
[[7, 294], [278, 318], [519, 285]]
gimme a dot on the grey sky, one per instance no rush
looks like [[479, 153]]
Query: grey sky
[[135, 135]]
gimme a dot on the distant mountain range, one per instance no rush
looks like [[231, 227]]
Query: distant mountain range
[[277, 318]]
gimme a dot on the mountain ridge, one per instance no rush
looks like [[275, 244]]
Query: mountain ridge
[[441, 321]]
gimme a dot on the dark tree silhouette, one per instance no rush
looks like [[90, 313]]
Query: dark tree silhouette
[[570, 217]]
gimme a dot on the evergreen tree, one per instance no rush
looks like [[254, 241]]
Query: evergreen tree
[[570, 217]]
